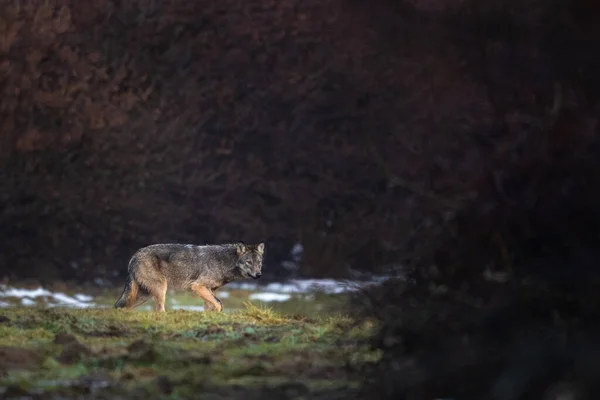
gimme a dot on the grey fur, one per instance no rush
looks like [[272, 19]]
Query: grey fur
[[201, 269]]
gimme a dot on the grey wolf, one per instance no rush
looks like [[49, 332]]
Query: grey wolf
[[201, 269]]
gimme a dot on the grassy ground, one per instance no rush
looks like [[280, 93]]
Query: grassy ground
[[314, 302], [248, 352], [234, 299]]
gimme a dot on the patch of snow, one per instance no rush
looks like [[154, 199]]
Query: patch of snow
[[309, 285], [13, 292], [297, 251], [4, 304], [269, 296], [190, 308], [83, 297], [243, 285], [223, 295], [65, 300], [26, 295]]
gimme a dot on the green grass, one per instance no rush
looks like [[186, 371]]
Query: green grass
[[178, 354], [299, 303]]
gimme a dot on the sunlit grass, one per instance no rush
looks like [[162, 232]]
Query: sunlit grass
[[128, 350], [262, 313]]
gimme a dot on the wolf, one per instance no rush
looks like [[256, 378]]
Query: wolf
[[199, 268]]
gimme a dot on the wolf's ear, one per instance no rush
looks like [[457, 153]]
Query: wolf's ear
[[240, 249], [260, 248]]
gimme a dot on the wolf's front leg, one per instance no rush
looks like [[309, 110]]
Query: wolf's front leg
[[218, 301], [210, 301]]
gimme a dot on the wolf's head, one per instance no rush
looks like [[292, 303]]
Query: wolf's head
[[250, 259]]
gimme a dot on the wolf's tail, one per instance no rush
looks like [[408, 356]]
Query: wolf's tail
[[130, 292]]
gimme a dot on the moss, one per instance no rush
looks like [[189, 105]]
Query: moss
[[130, 352]]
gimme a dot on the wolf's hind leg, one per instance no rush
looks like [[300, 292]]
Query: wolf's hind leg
[[210, 301], [159, 292], [149, 275]]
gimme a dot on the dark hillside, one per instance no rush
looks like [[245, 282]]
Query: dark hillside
[[503, 300], [457, 138], [126, 123]]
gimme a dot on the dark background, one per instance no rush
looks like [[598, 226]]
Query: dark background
[[352, 127], [342, 125], [458, 139]]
